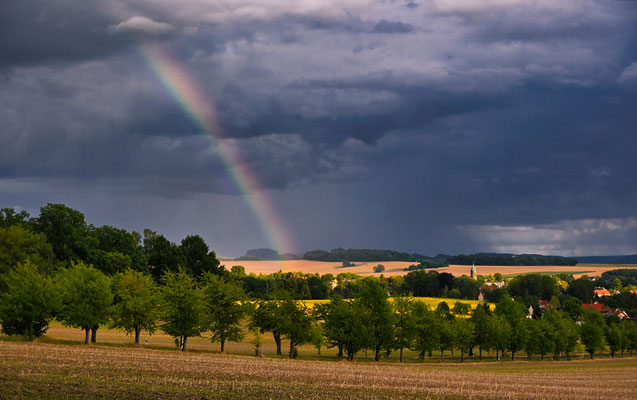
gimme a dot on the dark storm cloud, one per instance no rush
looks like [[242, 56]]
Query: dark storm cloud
[[467, 119]]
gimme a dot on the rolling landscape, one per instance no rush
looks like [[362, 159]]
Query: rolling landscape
[[302, 199]]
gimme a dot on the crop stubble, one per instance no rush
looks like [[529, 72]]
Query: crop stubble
[[35, 370]]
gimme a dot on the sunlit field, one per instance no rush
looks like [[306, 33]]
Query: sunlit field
[[51, 371], [397, 268]]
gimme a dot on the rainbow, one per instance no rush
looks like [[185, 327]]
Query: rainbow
[[175, 79]]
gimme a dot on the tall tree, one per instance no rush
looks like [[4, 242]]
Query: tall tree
[[28, 301], [345, 326], [18, 245], [199, 258], [483, 334], [162, 254], [66, 231], [86, 298], [378, 314], [116, 250], [9, 217], [225, 309], [428, 328], [464, 336], [183, 310], [405, 323], [296, 322], [266, 318], [136, 306], [592, 332]]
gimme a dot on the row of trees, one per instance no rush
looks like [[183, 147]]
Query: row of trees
[[183, 307], [83, 297], [60, 235]]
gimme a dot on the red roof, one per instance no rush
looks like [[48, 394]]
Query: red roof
[[602, 292], [593, 306]]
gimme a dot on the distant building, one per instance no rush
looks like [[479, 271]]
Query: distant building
[[601, 292], [473, 271], [605, 311]]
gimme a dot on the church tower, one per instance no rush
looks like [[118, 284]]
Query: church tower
[[473, 271]]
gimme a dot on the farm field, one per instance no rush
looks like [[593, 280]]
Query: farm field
[[397, 268], [51, 371]]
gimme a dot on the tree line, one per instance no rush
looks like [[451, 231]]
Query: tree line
[[183, 306]]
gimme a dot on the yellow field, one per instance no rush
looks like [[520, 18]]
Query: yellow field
[[397, 268], [51, 371]]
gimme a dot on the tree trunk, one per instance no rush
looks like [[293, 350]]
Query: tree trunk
[[442, 355], [401, 354], [480, 353], [277, 340], [512, 355], [542, 357], [223, 345], [86, 339], [377, 354], [497, 354], [291, 355], [612, 354], [138, 330], [31, 333], [94, 334], [568, 356], [183, 343], [461, 355]]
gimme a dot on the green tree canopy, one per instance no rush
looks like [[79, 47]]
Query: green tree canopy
[[66, 231], [162, 255], [182, 307], [136, 306], [86, 297], [28, 302], [378, 315], [199, 258], [18, 245], [225, 309]]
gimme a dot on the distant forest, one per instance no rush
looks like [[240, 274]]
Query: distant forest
[[339, 255], [441, 260]]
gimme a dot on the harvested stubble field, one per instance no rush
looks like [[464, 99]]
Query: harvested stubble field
[[397, 268], [48, 371]]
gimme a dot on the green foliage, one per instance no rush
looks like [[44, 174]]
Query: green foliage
[[484, 335], [509, 259], [464, 335], [573, 307], [182, 307], [136, 305], [536, 285], [225, 309], [9, 217], [85, 295], [582, 288], [379, 268], [296, 322], [18, 245], [345, 326], [117, 249], [427, 329], [266, 318], [199, 258], [592, 332], [405, 323], [66, 231], [378, 314], [162, 255], [28, 302], [339, 255]]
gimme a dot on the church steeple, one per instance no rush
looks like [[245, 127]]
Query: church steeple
[[473, 271]]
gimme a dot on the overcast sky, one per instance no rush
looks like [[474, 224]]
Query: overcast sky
[[423, 126]]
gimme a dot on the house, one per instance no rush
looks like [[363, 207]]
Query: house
[[545, 304], [601, 292], [606, 311]]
